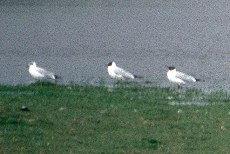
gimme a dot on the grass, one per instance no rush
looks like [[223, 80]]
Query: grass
[[121, 119]]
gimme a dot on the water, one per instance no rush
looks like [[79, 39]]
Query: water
[[76, 40]]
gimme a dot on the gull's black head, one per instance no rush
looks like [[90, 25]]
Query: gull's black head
[[171, 67], [110, 64]]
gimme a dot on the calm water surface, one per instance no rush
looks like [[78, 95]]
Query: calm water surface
[[77, 41]]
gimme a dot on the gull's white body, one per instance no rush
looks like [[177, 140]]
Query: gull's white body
[[179, 77], [40, 73], [118, 73]]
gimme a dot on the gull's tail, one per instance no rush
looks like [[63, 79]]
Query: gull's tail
[[57, 77], [138, 77], [199, 80]]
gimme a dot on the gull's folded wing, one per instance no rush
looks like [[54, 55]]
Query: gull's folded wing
[[122, 72], [45, 72], [184, 76]]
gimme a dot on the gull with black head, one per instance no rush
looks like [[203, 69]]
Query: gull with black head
[[119, 73], [178, 77]]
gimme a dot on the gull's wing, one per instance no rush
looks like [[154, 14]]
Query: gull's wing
[[121, 72], [45, 73], [184, 76]]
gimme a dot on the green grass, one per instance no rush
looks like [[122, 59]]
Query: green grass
[[122, 119]]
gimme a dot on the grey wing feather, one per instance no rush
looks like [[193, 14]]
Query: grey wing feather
[[123, 73], [184, 76], [45, 72]]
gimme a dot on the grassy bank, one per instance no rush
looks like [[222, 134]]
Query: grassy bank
[[98, 119]]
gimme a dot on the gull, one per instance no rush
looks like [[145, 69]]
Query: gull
[[119, 73], [40, 73], [179, 77]]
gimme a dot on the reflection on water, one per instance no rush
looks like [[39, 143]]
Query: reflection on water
[[77, 39]]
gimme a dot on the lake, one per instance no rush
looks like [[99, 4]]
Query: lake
[[77, 39]]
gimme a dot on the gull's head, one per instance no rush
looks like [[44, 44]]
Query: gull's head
[[171, 68], [32, 64], [111, 64]]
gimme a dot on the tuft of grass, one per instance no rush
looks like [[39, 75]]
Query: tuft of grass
[[123, 118]]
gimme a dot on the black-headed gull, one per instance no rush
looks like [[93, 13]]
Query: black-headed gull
[[179, 77], [119, 73]]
